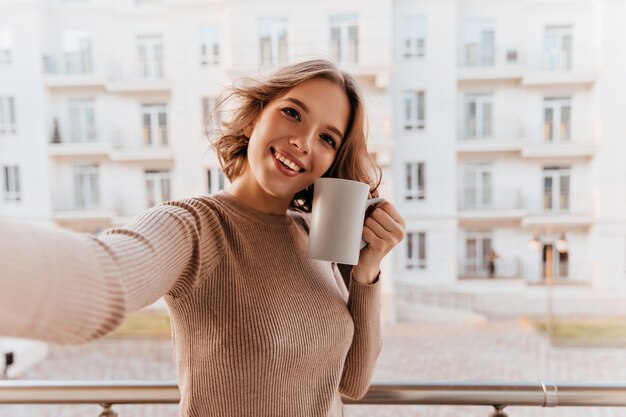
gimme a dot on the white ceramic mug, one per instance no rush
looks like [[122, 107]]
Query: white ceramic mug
[[337, 218]]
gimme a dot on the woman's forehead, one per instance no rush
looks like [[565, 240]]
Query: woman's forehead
[[321, 98]]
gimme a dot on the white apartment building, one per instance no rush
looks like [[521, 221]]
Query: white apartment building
[[509, 138], [498, 125]]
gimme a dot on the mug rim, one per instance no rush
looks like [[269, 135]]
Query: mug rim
[[331, 179]]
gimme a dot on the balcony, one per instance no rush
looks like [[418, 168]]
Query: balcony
[[480, 64], [578, 142], [488, 205], [126, 148], [505, 268], [79, 149], [503, 136], [126, 78], [566, 210], [561, 70], [143, 154], [70, 71]]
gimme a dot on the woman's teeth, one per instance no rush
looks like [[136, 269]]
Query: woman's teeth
[[286, 161]]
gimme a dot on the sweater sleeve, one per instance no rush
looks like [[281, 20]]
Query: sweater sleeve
[[364, 305], [65, 287]]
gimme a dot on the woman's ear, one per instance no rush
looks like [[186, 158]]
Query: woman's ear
[[248, 130]]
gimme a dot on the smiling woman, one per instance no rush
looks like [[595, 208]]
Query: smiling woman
[[316, 96], [259, 329]]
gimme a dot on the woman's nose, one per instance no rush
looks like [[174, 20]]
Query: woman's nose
[[302, 143]]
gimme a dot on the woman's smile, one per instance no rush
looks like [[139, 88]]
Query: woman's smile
[[285, 165]]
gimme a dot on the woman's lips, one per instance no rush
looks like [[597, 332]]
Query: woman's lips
[[282, 168]]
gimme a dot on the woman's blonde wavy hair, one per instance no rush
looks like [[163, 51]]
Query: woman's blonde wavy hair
[[352, 161]]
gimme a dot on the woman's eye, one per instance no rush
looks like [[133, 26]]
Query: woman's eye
[[328, 139], [292, 113]]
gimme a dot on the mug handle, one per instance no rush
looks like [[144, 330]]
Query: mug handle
[[369, 203]]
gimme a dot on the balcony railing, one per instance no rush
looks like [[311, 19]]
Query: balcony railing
[[507, 268], [489, 199], [564, 203], [495, 394], [481, 56], [69, 64]]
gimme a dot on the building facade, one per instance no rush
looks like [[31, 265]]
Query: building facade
[[497, 124]]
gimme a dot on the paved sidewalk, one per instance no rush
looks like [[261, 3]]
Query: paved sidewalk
[[503, 351]]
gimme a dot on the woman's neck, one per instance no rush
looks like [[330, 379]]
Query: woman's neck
[[257, 198]]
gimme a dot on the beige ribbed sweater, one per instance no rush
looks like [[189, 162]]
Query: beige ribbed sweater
[[259, 329]]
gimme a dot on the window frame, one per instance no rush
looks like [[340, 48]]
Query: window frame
[[346, 50], [414, 103], [415, 250], [152, 66], [415, 181], [8, 116], [278, 46], [11, 184], [209, 45], [415, 30], [158, 187], [87, 191], [154, 135]]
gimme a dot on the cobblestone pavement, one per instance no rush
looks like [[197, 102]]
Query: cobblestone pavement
[[501, 351]]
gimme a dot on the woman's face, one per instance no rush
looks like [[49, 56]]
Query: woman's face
[[295, 138]]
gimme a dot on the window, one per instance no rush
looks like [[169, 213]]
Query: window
[[7, 116], [77, 53], [477, 248], [415, 250], [414, 111], [478, 186], [478, 116], [157, 187], [82, 121], [209, 114], [557, 115], [6, 46], [556, 189], [209, 45], [344, 39], [557, 46], [414, 37], [415, 183], [154, 120], [11, 182], [216, 180], [150, 53], [86, 186], [273, 40], [479, 43]]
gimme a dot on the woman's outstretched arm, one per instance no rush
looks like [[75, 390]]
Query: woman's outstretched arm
[[65, 287]]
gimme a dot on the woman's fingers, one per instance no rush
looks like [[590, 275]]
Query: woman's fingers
[[387, 223]]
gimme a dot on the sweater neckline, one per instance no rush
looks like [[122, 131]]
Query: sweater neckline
[[246, 211]]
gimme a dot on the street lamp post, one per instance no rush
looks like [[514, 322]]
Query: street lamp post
[[560, 246]]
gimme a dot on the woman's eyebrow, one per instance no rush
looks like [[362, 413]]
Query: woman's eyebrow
[[299, 103], [307, 111]]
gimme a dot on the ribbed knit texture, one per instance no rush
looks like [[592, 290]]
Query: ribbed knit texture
[[259, 329]]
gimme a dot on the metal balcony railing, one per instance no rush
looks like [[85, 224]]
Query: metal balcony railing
[[495, 394], [489, 199], [509, 268], [478, 55]]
